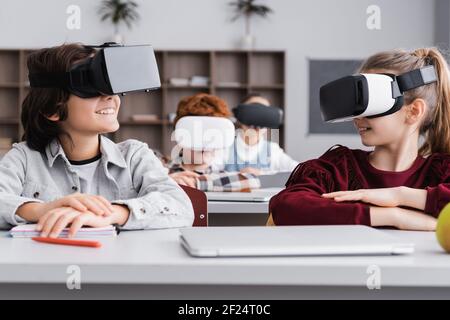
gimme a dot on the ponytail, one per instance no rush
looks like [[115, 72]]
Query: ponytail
[[436, 127]]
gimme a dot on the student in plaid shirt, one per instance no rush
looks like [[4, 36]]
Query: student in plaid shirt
[[203, 176]]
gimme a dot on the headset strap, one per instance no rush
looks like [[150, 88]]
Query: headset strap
[[58, 79], [417, 78]]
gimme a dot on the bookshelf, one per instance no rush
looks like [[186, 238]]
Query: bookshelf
[[231, 75]]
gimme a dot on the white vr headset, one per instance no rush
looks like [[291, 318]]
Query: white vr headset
[[204, 133], [370, 95]]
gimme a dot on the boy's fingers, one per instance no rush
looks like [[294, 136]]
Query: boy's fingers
[[104, 207], [105, 202], [77, 223], [61, 223], [51, 220], [189, 174], [76, 204], [92, 206]]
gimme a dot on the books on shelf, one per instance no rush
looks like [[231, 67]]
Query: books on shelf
[[199, 81], [179, 81], [29, 231], [194, 81]]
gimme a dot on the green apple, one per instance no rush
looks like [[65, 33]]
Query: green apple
[[443, 228]]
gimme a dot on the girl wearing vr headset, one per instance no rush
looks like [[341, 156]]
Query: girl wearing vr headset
[[397, 184], [66, 174], [199, 168], [252, 152]]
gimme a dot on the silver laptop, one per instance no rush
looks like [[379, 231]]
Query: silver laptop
[[278, 179], [260, 195], [290, 241]]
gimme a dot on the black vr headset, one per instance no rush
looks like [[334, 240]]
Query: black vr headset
[[259, 115], [370, 95], [114, 69]]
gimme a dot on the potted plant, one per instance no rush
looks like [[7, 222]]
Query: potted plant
[[248, 9], [118, 12]]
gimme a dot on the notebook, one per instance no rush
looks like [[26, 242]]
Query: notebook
[[29, 230]]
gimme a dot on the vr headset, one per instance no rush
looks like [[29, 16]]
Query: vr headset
[[259, 115], [203, 133], [370, 95], [114, 69]]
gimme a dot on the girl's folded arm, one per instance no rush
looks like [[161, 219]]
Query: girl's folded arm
[[301, 203], [437, 198], [12, 178], [161, 203]]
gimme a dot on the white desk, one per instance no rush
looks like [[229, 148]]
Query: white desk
[[152, 264]]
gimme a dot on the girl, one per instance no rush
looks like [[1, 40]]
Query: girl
[[252, 153], [397, 184], [66, 173], [204, 174]]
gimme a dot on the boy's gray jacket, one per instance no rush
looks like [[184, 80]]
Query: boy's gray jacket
[[130, 174]]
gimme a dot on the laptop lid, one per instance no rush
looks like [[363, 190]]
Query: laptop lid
[[261, 195], [290, 241], [278, 179]]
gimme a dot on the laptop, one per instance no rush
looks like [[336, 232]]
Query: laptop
[[259, 195], [338, 240], [278, 179]]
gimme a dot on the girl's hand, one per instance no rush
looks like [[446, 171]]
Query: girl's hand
[[185, 178], [385, 197], [414, 220], [251, 170], [52, 223], [403, 219]]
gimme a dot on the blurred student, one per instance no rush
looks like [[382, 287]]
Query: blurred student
[[251, 151], [204, 173]]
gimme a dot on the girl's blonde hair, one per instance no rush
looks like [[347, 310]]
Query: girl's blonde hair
[[436, 125]]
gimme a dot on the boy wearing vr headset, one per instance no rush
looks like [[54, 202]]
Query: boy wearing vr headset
[[202, 132], [65, 173], [251, 151], [398, 96]]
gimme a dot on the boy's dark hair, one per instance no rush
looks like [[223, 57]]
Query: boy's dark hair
[[41, 103]]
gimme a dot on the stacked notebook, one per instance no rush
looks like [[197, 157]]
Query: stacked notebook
[[29, 230]]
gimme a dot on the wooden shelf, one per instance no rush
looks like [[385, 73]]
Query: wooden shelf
[[231, 86], [10, 85], [173, 86], [9, 121], [232, 74], [267, 86]]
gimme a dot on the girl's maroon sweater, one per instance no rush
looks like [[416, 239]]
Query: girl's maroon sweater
[[344, 169]]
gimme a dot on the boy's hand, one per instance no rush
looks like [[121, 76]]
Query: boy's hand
[[251, 170], [33, 211], [52, 223], [83, 202], [185, 178]]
